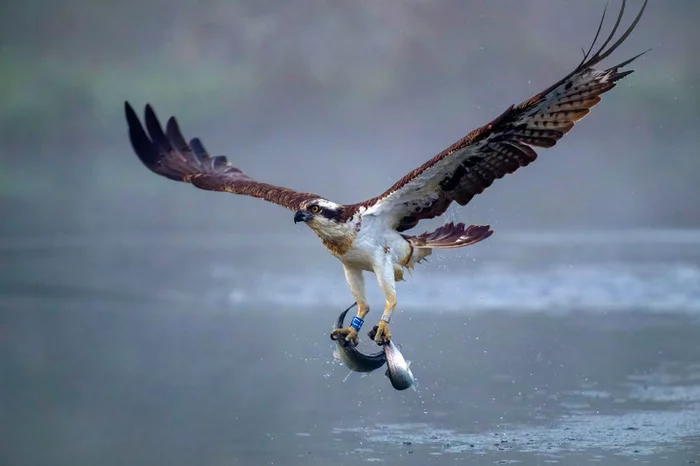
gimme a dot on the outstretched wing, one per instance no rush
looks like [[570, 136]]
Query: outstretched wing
[[471, 165], [170, 155]]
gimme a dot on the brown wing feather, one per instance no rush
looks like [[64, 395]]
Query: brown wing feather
[[170, 155], [500, 147]]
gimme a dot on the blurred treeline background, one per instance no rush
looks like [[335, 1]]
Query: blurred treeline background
[[339, 98]]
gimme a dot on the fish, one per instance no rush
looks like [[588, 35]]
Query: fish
[[398, 370], [354, 359]]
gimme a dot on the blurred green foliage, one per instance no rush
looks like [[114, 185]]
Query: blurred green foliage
[[67, 66]]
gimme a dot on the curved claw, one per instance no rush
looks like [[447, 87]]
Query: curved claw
[[372, 333], [343, 342], [348, 334], [380, 333]]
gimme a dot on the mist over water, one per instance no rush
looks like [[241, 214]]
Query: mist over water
[[458, 282]]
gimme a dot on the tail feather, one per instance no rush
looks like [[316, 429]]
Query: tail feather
[[450, 236]]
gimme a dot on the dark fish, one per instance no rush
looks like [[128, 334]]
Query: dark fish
[[351, 357], [398, 370]]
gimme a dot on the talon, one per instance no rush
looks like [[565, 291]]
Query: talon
[[372, 333], [348, 334], [381, 331]]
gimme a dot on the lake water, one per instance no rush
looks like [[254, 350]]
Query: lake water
[[185, 349]]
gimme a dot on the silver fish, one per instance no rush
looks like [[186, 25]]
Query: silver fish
[[352, 357], [398, 370]]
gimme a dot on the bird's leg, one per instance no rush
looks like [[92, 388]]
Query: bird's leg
[[356, 282], [387, 281]]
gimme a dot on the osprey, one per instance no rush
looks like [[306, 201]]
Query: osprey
[[368, 236]]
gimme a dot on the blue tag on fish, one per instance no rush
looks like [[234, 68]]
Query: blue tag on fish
[[356, 323]]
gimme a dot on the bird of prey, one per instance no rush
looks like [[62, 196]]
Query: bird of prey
[[369, 235]]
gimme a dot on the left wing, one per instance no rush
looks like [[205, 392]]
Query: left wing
[[167, 153], [473, 163]]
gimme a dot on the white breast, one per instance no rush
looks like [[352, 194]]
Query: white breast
[[374, 241]]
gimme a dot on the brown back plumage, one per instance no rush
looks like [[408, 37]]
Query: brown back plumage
[[500, 147], [170, 155]]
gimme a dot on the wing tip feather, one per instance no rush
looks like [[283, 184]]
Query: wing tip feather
[[603, 53], [140, 141]]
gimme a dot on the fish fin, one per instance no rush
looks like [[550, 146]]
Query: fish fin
[[408, 364], [387, 372]]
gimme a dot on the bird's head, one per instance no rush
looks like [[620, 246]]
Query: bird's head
[[322, 216]]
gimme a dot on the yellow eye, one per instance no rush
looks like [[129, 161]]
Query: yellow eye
[[314, 209]]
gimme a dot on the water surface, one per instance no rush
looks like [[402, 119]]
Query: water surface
[[201, 349]]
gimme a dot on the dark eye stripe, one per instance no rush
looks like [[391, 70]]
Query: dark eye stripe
[[331, 214]]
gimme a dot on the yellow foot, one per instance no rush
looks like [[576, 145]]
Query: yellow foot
[[347, 334], [380, 333]]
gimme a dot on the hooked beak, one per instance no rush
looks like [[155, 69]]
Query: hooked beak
[[301, 216]]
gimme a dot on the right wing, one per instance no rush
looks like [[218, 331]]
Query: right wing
[[502, 146], [168, 154]]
